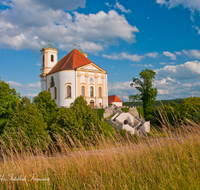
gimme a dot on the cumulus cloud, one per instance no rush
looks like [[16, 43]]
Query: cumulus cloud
[[169, 54], [123, 56], [121, 7], [152, 54], [188, 70], [69, 5], [22, 27], [142, 65], [178, 53], [197, 28], [31, 95], [191, 4], [192, 53], [19, 86]]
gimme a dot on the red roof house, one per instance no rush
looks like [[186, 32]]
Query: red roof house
[[114, 100]]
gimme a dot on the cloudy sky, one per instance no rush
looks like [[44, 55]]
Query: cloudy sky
[[123, 37]]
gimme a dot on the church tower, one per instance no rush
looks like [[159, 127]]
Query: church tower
[[49, 58]]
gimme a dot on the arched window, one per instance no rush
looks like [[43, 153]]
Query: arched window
[[55, 93], [91, 91], [43, 59], [83, 91], [48, 89], [69, 91], [52, 83], [100, 94], [52, 58]]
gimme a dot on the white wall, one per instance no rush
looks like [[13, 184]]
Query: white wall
[[125, 116], [118, 104]]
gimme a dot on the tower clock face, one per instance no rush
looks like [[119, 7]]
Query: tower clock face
[[91, 80]]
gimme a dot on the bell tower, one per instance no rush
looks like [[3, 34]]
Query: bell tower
[[49, 57]]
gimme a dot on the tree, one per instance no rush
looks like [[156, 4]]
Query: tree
[[145, 87], [46, 105], [80, 121], [9, 99], [190, 108], [26, 127]]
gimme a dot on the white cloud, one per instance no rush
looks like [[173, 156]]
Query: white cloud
[[162, 63], [123, 55], [31, 95], [169, 54], [192, 5], [188, 70], [38, 64], [142, 65], [178, 53], [22, 27], [197, 28], [108, 5], [152, 54], [19, 86], [119, 6], [192, 53]]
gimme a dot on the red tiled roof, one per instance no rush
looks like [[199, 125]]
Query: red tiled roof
[[113, 98], [72, 60]]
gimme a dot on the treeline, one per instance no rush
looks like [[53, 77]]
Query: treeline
[[157, 103], [36, 123]]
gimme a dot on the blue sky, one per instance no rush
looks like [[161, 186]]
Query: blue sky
[[123, 37]]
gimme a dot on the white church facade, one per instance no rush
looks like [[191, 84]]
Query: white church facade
[[74, 75]]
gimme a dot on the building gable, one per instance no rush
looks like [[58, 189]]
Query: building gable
[[91, 67]]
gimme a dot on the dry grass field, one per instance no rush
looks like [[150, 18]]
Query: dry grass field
[[170, 162]]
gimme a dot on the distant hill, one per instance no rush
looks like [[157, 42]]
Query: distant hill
[[158, 102]]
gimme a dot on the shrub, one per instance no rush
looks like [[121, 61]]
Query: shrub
[[100, 112], [125, 109]]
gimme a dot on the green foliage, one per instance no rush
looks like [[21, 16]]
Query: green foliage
[[145, 87], [157, 103], [190, 107], [100, 112], [27, 121], [147, 94], [80, 121], [140, 111], [125, 109], [47, 106], [9, 99]]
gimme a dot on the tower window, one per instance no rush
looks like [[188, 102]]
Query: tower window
[[52, 83], [55, 93], [100, 93], [52, 58], [83, 91], [91, 91], [69, 93]]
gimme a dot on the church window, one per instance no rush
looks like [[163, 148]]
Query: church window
[[55, 93], [52, 83], [100, 93], [91, 91], [52, 58], [69, 93], [43, 59], [83, 91]]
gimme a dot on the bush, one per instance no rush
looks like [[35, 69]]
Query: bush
[[125, 109], [100, 112]]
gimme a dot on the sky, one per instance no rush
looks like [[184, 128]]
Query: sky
[[122, 37]]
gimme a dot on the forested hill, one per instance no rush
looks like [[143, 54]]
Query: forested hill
[[158, 102]]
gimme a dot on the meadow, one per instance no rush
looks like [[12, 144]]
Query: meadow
[[169, 161]]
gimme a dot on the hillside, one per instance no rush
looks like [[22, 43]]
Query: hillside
[[158, 102]]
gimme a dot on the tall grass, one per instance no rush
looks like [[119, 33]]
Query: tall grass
[[171, 162]]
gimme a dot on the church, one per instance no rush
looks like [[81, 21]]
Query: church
[[74, 75]]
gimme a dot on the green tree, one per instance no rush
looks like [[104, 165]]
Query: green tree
[[80, 121], [47, 106], [147, 94], [9, 99], [190, 107], [26, 126]]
